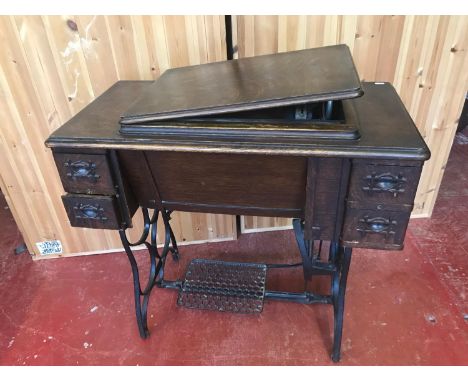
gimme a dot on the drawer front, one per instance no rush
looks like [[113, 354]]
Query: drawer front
[[100, 212], [85, 173], [394, 185], [369, 228]]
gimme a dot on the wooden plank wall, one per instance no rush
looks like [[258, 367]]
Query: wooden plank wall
[[424, 57], [51, 67]]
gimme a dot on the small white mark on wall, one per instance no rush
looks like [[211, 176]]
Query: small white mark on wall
[[93, 309], [84, 43], [87, 28], [75, 91], [87, 42], [72, 47], [23, 32]]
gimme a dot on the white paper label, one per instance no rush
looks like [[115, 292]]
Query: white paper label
[[51, 247]]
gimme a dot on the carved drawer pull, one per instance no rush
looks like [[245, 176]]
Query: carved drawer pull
[[376, 225], [82, 169], [385, 183], [89, 211]]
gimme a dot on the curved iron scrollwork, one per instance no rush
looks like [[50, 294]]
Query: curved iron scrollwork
[[157, 261], [315, 263]]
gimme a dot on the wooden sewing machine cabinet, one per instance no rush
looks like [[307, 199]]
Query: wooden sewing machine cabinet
[[286, 135]]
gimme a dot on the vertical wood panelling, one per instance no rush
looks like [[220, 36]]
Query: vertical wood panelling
[[450, 86], [262, 223], [52, 67], [97, 52], [123, 46], [64, 40], [266, 24], [389, 47], [424, 57]]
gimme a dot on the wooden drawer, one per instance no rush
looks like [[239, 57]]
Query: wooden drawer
[[93, 211], [85, 173], [390, 185], [380, 229]]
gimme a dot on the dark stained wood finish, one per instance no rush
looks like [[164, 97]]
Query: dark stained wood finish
[[386, 129], [296, 124], [235, 209], [93, 211], [380, 229], [382, 184], [274, 80], [272, 183], [323, 197], [85, 173], [128, 203], [287, 131], [136, 172], [258, 160]]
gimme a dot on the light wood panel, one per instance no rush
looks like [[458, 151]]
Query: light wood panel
[[425, 57], [251, 224], [52, 67]]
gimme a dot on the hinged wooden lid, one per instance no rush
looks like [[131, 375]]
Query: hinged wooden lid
[[275, 80]]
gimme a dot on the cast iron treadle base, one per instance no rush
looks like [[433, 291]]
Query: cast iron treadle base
[[223, 286], [236, 287]]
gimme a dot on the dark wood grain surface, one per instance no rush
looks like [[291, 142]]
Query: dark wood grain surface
[[380, 184], [386, 129], [251, 178], [361, 228], [93, 211], [96, 179], [249, 83], [255, 184], [322, 191]]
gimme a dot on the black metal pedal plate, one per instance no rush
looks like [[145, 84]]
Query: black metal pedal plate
[[223, 286]]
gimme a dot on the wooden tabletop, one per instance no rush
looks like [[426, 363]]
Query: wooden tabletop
[[386, 129], [309, 75]]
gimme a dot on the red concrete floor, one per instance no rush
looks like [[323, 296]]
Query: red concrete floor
[[402, 308]]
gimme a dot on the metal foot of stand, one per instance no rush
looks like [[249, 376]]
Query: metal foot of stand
[[240, 292]]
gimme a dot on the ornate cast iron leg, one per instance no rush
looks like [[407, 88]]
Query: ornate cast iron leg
[[337, 267], [339, 289], [313, 263], [157, 262]]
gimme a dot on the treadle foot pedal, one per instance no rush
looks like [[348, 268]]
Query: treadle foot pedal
[[224, 286]]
